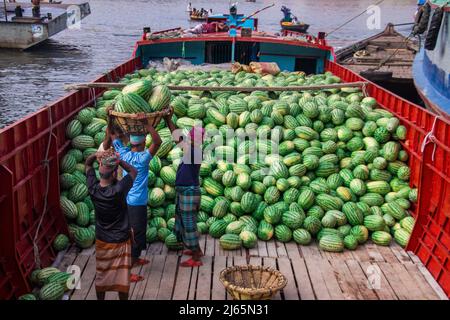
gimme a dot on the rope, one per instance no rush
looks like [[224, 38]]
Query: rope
[[382, 63], [364, 90], [429, 138], [92, 93], [350, 20], [45, 162]]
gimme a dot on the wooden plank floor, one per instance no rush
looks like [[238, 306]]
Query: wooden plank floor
[[370, 272]]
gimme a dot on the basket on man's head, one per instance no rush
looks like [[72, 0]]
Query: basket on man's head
[[108, 164], [137, 123]]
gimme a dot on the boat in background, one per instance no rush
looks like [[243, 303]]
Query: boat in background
[[431, 67], [24, 29], [198, 18], [291, 23], [386, 59], [299, 27]]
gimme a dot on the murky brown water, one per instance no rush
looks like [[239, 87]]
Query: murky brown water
[[30, 79]]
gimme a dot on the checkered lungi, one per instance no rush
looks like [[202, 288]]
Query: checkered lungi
[[187, 207]]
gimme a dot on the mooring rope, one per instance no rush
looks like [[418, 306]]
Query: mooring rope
[[46, 163], [429, 138], [351, 19]]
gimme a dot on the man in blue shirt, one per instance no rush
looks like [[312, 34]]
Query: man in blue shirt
[[137, 197]]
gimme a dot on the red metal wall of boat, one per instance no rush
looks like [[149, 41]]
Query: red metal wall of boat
[[23, 176], [22, 173], [428, 146]]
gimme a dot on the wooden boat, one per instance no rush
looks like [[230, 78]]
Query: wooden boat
[[31, 150], [300, 27], [198, 18], [385, 58], [27, 31]]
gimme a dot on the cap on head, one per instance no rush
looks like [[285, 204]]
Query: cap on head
[[137, 139]]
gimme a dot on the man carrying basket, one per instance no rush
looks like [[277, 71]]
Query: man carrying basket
[[138, 157]]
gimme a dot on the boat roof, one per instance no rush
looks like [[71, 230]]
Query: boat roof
[[444, 3], [257, 36]]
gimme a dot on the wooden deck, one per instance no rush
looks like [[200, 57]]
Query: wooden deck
[[311, 273]]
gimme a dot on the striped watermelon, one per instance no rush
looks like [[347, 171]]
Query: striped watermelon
[[160, 98], [350, 242], [312, 224], [381, 238], [217, 228], [302, 236], [78, 192], [230, 241], [401, 236], [61, 242], [332, 243], [51, 291], [212, 187], [283, 233], [293, 219], [265, 231], [249, 239]]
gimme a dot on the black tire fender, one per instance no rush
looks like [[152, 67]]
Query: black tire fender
[[422, 19], [433, 30]]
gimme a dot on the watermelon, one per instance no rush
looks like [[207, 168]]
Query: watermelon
[[265, 231], [283, 233], [332, 243], [302, 236], [172, 243], [61, 242], [381, 238], [401, 236], [230, 241], [218, 228], [249, 239], [51, 291], [235, 227], [350, 242]]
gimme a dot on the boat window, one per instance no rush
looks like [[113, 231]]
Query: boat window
[[247, 52], [307, 65], [220, 52], [217, 52]]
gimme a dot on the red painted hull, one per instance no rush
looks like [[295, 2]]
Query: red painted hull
[[23, 145]]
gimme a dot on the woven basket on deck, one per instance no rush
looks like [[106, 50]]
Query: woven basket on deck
[[251, 282], [132, 123]]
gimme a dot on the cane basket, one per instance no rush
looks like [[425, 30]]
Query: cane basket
[[251, 282], [134, 123]]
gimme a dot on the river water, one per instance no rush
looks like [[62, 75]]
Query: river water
[[30, 79]]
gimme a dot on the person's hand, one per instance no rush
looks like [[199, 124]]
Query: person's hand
[[169, 113], [99, 155], [108, 109]]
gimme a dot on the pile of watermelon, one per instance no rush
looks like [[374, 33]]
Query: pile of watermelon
[[338, 173], [333, 167], [51, 283]]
